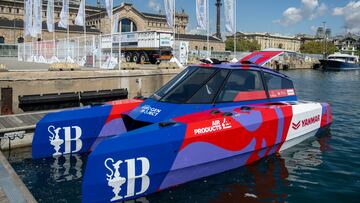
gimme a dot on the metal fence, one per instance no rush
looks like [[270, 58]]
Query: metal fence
[[8, 50], [221, 55], [95, 51], [90, 51]]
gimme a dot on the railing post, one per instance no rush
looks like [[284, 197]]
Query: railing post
[[93, 51], [100, 48]]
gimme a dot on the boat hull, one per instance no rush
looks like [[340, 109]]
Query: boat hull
[[194, 146], [338, 65], [79, 130]]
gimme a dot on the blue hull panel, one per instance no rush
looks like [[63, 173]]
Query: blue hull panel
[[338, 65]]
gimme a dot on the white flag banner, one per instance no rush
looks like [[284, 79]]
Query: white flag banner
[[201, 14], [37, 26], [109, 7], [116, 23], [229, 6], [79, 20], [50, 16], [28, 17], [169, 10], [64, 15]]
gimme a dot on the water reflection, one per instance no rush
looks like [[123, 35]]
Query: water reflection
[[59, 169], [265, 176], [67, 168], [51, 179]]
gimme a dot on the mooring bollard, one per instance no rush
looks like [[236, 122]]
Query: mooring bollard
[[6, 101]]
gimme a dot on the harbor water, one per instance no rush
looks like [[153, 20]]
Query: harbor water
[[325, 168]]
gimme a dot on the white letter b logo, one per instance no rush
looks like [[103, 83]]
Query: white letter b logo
[[115, 180], [69, 139], [145, 180]]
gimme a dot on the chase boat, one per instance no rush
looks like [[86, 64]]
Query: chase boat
[[208, 119], [340, 61]]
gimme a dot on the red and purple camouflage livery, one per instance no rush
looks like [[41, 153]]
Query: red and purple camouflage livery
[[208, 119]]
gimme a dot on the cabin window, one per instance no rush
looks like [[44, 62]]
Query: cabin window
[[189, 86], [279, 86], [242, 85], [208, 91], [172, 83]]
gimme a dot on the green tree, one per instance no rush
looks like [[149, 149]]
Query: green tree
[[317, 47], [242, 45], [357, 53]]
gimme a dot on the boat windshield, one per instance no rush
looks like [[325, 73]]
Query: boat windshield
[[345, 59], [193, 85]]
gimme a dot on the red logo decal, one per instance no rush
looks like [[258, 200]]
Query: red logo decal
[[296, 126], [306, 122]]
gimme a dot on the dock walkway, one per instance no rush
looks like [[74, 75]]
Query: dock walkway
[[12, 189], [17, 130], [20, 122]]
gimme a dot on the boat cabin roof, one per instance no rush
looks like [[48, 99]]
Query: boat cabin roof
[[339, 55], [219, 83], [234, 66]]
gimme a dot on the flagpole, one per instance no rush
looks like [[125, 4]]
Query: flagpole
[[208, 28], [235, 29], [174, 27], [111, 32], [85, 30], [68, 34], [119, 31], [41, 40], [53, 22], [120, 39]]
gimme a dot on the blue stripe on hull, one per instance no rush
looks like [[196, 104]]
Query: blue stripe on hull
[[338, 65]]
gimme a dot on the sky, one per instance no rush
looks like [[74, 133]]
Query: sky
[[286, 17]]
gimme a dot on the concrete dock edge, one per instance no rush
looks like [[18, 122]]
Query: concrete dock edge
[[11, 186]]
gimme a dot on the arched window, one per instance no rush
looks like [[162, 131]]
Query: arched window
[[20, 40], [2, 40], [128, 25]]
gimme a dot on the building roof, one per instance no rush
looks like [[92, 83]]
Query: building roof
[[265, 34], [153, 15], [196, 37], [350, 36], [149, 15]]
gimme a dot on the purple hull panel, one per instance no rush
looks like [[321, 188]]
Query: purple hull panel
[[203, 159]]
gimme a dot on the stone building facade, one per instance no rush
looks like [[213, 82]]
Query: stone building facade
[[97, 22], [133, 20], [267, 40], [12, 14], [348, 44]]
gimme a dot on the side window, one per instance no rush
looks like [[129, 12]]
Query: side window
[[182, 92], [207, 92], [279, 86], [242, 85]]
